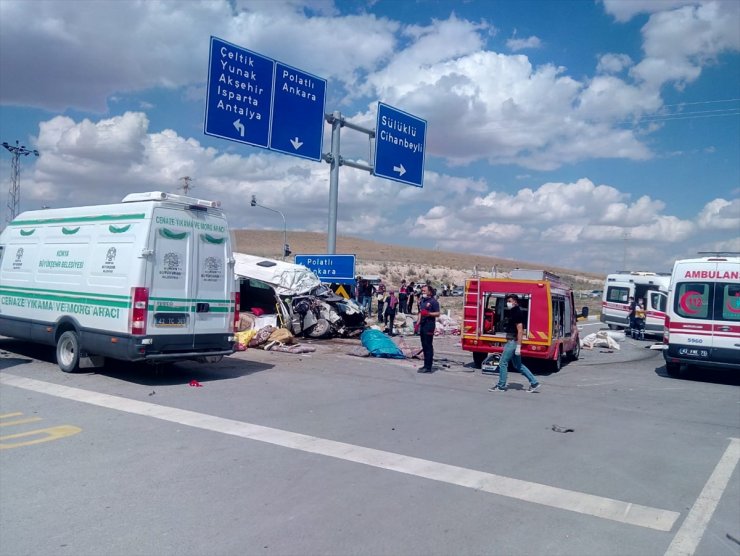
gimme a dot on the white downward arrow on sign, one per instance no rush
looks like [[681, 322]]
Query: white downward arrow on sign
[[296, 143], [239, 127], [400, 169]]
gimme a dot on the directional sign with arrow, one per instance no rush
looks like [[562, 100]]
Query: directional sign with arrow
[[255, 100], [400, 143], [298, 112], [239, 94]]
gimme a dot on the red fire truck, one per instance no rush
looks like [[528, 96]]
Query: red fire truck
[[551, 331]]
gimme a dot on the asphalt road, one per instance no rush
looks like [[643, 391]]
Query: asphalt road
[[326, 453]]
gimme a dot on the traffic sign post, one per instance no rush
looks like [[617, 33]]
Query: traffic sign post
[[400, 143], [339, 269], [258, 101]]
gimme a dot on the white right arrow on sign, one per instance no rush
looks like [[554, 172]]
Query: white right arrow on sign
[[400, 169]]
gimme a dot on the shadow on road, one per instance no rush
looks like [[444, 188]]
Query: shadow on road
[[694, 373], [164, 374]]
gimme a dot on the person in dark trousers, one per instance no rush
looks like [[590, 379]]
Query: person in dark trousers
[[631, 315], [402, 297], [428, 313], [411, 292], [380, 291], [391, 304], [514, 327]]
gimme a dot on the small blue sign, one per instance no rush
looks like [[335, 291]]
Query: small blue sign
[[400, 142], [330, 268], [298, 112], [239, 94]]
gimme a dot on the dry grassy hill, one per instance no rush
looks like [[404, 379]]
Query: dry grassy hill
[[395, 262]]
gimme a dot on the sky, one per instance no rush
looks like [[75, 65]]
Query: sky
[[594, 135]]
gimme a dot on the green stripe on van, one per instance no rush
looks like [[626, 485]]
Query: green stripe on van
[[169, 234], [80, 219], [13, 289], [27, 233], [60, 298], [210, 239], [112, 229], [70, 231]]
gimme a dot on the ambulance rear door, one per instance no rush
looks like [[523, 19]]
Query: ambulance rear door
[[655, 306]]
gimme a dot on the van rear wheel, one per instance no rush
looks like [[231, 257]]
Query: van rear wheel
[[673, 369], [575, 353], [68, 352]]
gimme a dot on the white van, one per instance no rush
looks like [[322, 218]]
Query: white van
[[149, 279], [703, 322], [652, 287]]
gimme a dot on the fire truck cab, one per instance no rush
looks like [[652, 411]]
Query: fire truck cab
[[551, 331]]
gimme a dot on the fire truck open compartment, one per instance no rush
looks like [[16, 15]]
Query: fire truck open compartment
[[550, 321]]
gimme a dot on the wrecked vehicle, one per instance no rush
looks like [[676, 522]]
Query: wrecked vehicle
[[293, 297]]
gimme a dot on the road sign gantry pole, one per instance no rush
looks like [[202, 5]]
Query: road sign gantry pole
[[334, 158]]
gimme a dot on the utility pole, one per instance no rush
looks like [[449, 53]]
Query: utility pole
[[625, 237], [14, 193], [186, 187]]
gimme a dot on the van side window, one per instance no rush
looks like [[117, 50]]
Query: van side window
[[730, 295], [658, 301], [617, 294], [692, 300]]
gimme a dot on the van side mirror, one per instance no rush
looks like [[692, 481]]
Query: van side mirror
[[584, 312]]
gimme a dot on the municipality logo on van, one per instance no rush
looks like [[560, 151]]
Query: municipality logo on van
[[212, 269], [110, 261], [171, 268], [18, 262]]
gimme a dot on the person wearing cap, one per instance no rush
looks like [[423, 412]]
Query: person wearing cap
[[514, 327], [428, 313]]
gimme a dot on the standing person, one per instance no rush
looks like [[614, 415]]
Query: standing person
[[410, 292], [391, 303], [428, 313], [402, 298], [380, 291], [638, 331], [514, 327], [631, 315], [367, 297]]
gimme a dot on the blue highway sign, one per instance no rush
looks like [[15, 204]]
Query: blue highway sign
[[239, 94], [298, 113], [256, 100], [330, 268], [400, 142]]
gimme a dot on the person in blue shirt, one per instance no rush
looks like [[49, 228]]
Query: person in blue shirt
[[428, 313]]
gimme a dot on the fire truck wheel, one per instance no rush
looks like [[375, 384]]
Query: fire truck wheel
[[478, 359], [575, 353], [557, 363]]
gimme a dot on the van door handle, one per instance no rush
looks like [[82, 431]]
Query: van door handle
[[202, 307], [724, 328]]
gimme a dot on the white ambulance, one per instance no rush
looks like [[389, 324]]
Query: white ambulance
[[702, 326], [148, 279], [652, 287]]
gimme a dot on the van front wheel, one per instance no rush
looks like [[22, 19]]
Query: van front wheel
[[68, 352]]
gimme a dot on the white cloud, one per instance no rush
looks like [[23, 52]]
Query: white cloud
[[613, 63], [515, 45], [721, 214], [624, 10]]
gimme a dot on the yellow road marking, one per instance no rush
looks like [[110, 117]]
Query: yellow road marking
[[50, 433], [20, 421]]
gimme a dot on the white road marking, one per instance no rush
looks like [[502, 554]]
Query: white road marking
[[580, 502], [691, 531]]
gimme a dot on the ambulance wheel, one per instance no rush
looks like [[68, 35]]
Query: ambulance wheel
[[673, 369], [557, 363], [478, 359], [575, 353], [68, 352]]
